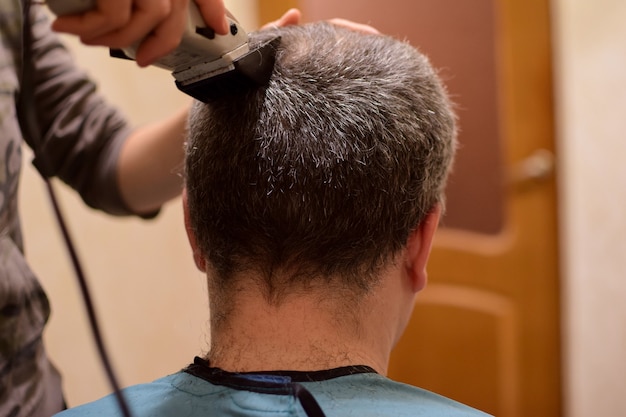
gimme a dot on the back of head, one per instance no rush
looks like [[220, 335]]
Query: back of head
[[322, 174]]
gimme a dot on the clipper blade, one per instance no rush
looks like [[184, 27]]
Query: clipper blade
[[254, 69]]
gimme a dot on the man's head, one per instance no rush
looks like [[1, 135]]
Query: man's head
[[322, 176]]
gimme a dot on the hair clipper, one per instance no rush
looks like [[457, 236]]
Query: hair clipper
[[204, 65]]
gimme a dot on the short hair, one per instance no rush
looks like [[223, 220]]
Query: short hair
[[324, 172]]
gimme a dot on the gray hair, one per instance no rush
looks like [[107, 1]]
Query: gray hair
[[326, 171]]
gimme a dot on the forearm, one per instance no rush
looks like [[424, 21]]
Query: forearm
[[151, 163]]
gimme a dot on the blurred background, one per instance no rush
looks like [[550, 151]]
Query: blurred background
[[524, 314]]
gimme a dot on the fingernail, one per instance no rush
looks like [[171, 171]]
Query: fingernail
[[225, 26]]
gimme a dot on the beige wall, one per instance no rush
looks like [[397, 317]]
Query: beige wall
[[150, 298], [590, 42]]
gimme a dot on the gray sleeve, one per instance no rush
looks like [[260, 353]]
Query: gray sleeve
[[81, 134]]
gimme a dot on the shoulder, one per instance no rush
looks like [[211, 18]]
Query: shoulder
[[176, 394], [375, 395]]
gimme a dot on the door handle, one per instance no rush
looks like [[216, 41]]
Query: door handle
[[536, 168]]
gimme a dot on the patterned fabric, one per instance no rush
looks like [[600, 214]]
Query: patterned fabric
[[81, 139], [202, 391]]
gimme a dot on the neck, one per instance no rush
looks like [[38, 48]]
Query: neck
[[305, 332]]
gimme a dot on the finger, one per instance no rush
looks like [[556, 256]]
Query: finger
[[147, 17], [290, 17], [108, 16], [359, 27], [163, 39], [214, 14], [116, 29]]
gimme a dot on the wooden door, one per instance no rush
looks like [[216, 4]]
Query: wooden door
[[486, 330]]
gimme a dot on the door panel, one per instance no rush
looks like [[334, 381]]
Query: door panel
[[486, 329], [476, 336]]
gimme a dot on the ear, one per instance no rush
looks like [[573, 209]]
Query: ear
[[418, 249], [197, 254]]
